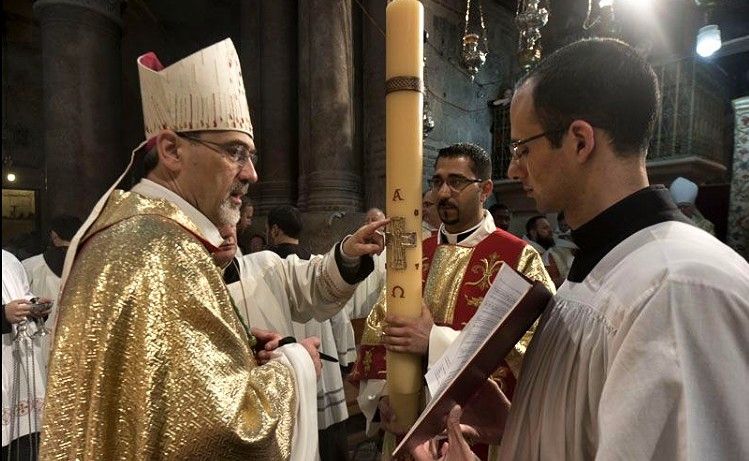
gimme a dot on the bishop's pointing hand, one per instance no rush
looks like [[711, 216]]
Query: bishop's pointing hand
[[369, 239]]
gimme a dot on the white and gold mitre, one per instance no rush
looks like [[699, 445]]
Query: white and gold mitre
[[204, 91]]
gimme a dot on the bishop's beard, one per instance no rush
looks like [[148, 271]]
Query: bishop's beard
[[229, 212]]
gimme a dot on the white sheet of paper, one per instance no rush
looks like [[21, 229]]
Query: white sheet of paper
[[506, 290]]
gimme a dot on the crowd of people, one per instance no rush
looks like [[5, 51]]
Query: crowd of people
[[179, 332]]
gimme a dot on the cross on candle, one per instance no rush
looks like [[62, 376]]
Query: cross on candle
[[398, 240]]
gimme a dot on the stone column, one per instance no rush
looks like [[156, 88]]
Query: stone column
[[81, 73], [373, 64], [278, 124], [248, 50], [738, 212], [329, 169]]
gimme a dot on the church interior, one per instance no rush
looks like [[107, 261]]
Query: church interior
[[314, 72]]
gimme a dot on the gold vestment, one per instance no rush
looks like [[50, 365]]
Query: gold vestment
[[150, 359], [455, 280]]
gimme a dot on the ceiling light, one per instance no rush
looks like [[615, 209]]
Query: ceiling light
[[639, 3], [11, 177], [708, 40]]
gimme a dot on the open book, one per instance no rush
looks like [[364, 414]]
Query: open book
[[508, 310]]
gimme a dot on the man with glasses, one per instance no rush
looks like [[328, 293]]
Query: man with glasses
[[460, 263], [151, 357], [643, 353]]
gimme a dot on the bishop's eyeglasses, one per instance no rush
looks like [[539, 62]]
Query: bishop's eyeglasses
[[238, 153]]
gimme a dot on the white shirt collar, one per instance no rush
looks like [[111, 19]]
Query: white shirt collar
[[150, 189], [477, 233]]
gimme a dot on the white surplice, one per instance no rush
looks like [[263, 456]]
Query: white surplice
[[45, 284], [273, 292], [331, 400], [368, 291], [296, 297], [646, 358], [24, 378], [345, 340]]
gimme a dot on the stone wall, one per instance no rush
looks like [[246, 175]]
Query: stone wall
[[738, 213], [460, 107], [23, 113]]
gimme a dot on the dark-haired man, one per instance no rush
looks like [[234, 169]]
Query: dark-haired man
[[563, 229], [538, 230], [459, 265], [283, 228], [502, 216], [244, 225], [557, 258], [643, 353], [246, 212], [44, 270], [272, 288], [430, 221]]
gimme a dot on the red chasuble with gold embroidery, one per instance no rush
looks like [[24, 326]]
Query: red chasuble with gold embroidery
[[455, 280]]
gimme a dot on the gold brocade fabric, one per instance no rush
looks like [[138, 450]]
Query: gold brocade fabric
[[442, 287], [445, 278], [531, 265], [150, 360], [440, 291], [375, 320]]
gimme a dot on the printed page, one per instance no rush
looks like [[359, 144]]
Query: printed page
[[507, 312], [506, 290]]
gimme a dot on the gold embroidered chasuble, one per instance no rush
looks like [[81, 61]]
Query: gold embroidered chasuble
[[455, 280], [150, 359]]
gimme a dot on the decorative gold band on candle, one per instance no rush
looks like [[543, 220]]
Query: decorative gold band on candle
[[404, 84]]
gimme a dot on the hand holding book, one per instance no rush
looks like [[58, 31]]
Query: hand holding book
[[509, 309]]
